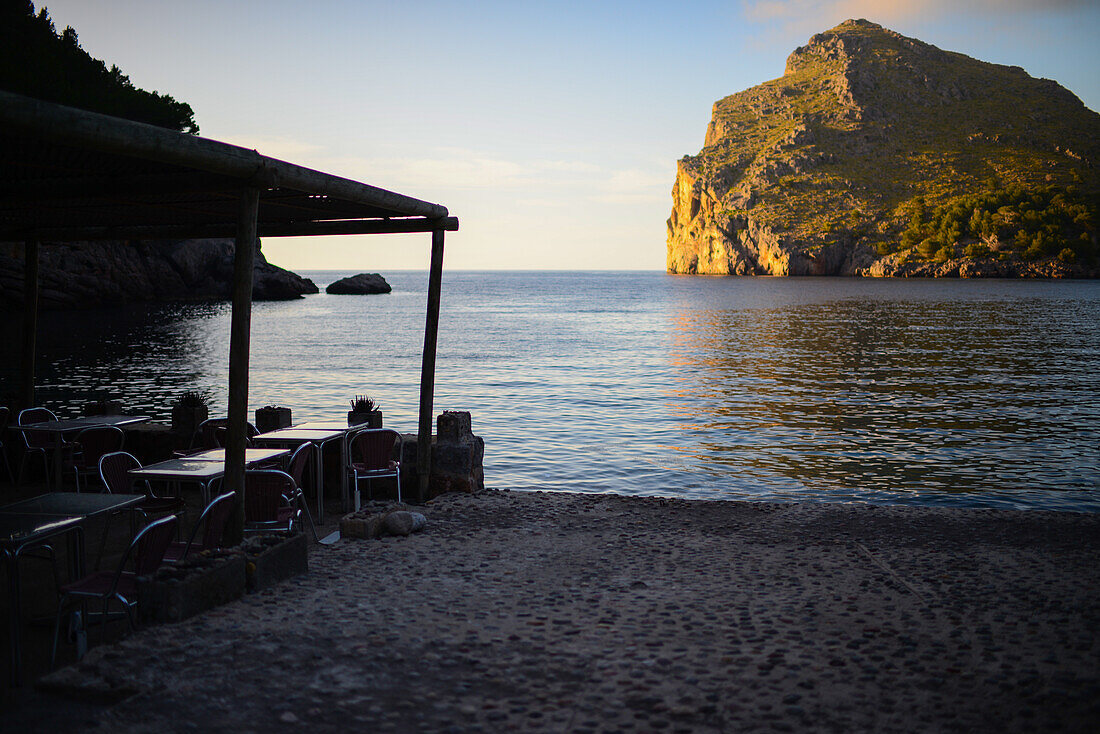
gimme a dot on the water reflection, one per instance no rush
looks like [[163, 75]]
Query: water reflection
[[144, 355], [964, 393], [866, 396]]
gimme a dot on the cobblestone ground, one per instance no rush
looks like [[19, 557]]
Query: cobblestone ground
[[581, 613]]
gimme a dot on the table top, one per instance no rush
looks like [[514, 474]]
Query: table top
[[341, 426], [185, 468], [86, 504], [297, 433], [18, 527], [250, 455], [76, 424]]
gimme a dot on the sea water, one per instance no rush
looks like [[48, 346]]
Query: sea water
[[975, 393]]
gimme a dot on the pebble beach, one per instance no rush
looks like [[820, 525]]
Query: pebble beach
[[556, 612]]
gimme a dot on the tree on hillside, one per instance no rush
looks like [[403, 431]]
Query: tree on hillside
[[37, 61]]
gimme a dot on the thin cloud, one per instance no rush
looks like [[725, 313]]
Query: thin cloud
[[803, 15]]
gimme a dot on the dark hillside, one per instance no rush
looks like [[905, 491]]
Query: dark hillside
[[37, 61]]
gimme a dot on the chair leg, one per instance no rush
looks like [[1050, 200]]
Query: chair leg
[[304, 505], [7, 464], [57, 630], [397, 472]]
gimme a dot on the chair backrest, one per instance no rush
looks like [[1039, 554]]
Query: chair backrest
[[37, 439], [211, 434], [97, 441], [374, 447], [151, 543], [113, 468], [215, 516], [298, 461], [265, 491]]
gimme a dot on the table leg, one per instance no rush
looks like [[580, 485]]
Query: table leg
[[76, 553], [344, 452], [57, 465], [319, 479], [11, 562]]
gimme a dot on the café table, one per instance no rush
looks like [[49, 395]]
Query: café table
[[29, 524], [72, 425], [202, 468], [318, 437]]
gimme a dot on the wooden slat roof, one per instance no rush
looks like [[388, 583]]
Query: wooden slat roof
[[71, 175]]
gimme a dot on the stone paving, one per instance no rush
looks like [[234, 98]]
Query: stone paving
[[556, 612]]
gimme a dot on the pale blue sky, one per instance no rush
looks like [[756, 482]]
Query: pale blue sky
[[551, 130]]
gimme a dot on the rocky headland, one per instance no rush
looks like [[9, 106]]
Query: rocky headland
[[881, 155], [84, 274]]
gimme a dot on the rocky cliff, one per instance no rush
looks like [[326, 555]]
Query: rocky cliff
[[878, 154], [86, 274]]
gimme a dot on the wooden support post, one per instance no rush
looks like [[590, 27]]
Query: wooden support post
[[30, 320], [427, 369], [240, 325]]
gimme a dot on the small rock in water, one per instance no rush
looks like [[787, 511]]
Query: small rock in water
[[358, 285]]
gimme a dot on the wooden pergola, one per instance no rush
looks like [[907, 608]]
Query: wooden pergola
[[69, 175]]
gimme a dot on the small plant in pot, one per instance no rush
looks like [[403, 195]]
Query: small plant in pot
[[189, 410], [272, 418], [364, 410]]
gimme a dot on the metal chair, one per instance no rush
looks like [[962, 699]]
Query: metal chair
[[39, 442], [296, 468], [114, 473], [371, 457], [270, 501], [211, 434], [92, 443], [215, 516], [147, 550]]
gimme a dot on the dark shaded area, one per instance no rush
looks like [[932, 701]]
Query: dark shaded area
[[37, 61]]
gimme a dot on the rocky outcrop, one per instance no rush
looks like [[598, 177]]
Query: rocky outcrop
[[359, 285], [77, 275], [820, 172]]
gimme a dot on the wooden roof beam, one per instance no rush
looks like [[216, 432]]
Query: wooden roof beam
[[70, 126], [228, 229]]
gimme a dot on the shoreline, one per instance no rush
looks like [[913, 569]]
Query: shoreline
[[545, 611]]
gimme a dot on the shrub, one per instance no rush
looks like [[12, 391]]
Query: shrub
[[976, 250], [945, 253], [1067, 255], [928, 247]]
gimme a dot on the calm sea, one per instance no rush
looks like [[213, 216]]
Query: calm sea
[[966, 393]]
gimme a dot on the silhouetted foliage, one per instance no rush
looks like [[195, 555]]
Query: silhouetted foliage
[[38, 62]]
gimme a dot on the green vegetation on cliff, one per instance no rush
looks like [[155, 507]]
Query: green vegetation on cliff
[[36, 61], [877, 150]]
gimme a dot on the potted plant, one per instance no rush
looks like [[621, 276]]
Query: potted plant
[[364, 410], [272, 418], [189, 410]]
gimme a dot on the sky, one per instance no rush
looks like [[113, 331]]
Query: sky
[[551, 130]]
